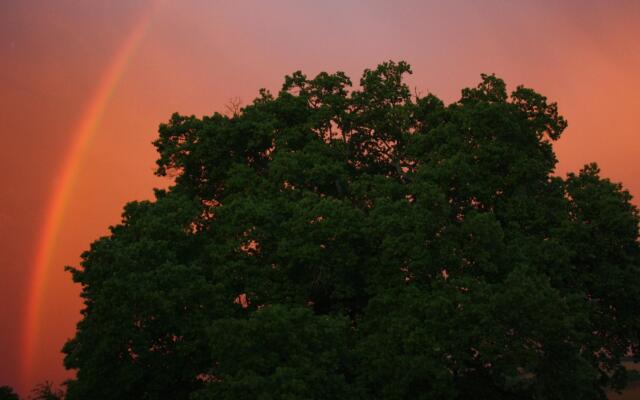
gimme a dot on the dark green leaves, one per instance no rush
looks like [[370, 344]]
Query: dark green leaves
[[333, 242]]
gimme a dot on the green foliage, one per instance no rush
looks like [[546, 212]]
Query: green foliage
[[332, 242]]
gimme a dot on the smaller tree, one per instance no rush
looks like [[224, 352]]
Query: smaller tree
[[46, 391], [7, 393]]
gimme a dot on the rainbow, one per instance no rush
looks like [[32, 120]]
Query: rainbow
[[67, 175]]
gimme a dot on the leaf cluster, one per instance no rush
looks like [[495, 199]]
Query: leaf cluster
[[333, 241]]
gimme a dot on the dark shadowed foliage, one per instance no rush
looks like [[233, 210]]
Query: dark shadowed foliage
[[7, 393], [341, 242]]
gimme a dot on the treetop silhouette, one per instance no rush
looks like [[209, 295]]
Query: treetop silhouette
[[339, 242]]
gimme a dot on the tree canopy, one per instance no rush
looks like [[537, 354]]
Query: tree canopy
[[341, 241]]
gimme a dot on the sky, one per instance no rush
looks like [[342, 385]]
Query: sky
[[84, 85]]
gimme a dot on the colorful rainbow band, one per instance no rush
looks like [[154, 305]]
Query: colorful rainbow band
[[67, 176]]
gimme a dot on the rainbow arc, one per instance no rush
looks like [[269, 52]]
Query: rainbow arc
[[67, 176]]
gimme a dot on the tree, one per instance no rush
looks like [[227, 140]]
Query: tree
[[332, 242], [7, 393], [46, 391]]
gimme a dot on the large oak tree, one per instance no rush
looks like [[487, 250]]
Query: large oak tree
[[336, 241]]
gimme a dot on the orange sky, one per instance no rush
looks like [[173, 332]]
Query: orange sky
[[195, 55]]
